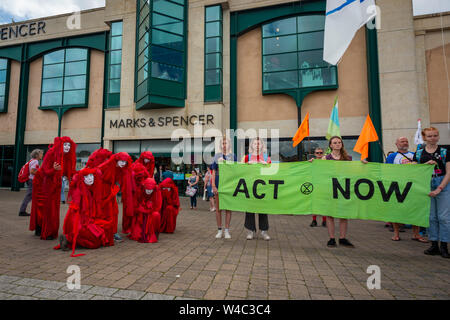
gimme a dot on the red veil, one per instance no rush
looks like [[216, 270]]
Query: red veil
[[150, 165], [47, 187], [170, 206], [84, 224], [147, 220], [112, 174]]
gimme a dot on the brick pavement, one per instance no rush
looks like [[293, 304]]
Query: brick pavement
[[192, 264]]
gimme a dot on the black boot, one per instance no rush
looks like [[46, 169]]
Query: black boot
[[37, 231], [433, 250], [444, 250]]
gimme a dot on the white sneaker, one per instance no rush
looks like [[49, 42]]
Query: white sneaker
[[227, 234], [265, 235], [212, 210], [219, 234], [250, 235]]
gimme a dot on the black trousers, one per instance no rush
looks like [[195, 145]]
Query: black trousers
[[250, 222]]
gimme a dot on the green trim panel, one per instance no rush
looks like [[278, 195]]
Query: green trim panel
[[5, 95]]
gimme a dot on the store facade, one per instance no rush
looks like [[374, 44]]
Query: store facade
[[173, 76]]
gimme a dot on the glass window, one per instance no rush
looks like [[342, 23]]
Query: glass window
[[76, 54], [54, 57], [53, 70], [166, 72], [116, 28], [292, 52], [64, 77], [168, 8], [213, 13], [280, 80], [74, 97], [115, 71], [167, 24], [75, 68], [75, 82], [116, 56], [213, 61], [51, 98], [280, 62], [167, 40], [213, 53], [212, 77], [3, 84], [280, 27], [115, 53], [53, 84], [213, 29], [279, 44], [167, 56], [213, 45]]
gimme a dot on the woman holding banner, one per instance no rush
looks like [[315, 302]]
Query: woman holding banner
[[257, 153], [339, 153], [224, 154], [437, 156]]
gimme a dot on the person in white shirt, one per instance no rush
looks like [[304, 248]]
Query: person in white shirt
[[36, 156]]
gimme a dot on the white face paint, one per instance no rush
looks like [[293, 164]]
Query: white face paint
[[121, 163], [148, 192], [89, 179], [66, 147], [146, 160]]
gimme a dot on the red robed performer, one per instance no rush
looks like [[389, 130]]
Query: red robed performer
[[170, 206], [84, 224], [59, 161], [117, 169], [147, 219], [98, 157], [148, 161]]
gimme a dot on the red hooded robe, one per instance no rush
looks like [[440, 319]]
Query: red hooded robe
[[112, 174], [148, 161], [170, 205], [46, 196], [84, 224], [98, 157], [147, 220]]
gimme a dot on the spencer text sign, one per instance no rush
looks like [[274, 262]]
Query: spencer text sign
[[22, 30]]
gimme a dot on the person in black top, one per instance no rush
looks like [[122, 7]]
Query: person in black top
[[437, 156]]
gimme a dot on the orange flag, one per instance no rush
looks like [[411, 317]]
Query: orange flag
[[302, 131], [368, 134]]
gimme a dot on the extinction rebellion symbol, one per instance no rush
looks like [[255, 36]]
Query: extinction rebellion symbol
[[307, 188]]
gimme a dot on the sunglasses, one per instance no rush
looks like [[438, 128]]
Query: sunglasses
[[318, 152]]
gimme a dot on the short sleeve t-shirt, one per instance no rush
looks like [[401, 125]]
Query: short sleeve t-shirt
[[34, 164], [439, 169], [220, 157], [400, 158]]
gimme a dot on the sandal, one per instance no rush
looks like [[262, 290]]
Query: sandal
[[396, 239], [420, 239]]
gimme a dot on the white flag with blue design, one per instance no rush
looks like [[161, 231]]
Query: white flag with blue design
[[343, 19]]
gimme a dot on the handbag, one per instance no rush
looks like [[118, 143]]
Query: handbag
[[191, 191]]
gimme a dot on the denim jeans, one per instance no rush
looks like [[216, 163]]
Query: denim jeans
[[439, 229]]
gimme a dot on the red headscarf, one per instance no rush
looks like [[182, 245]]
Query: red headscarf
[[150, 165]]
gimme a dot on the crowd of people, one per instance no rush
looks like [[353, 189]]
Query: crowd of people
[[91, 221], [150, 208]]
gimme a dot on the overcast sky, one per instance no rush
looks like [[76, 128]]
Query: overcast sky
[[20, 10]]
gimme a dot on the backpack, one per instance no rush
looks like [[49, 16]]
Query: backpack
[[442, 150], [24, 173]]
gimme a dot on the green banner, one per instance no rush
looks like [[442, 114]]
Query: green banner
[[340, 189]]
